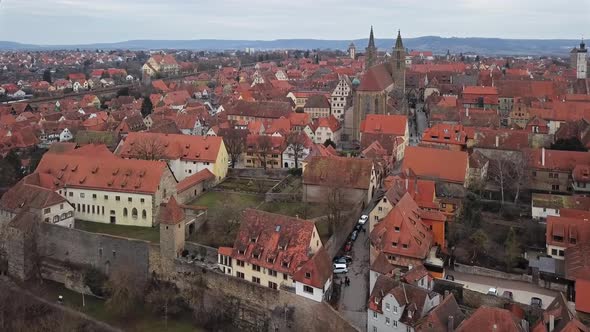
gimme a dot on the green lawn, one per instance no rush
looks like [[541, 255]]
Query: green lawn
[[215, 199], [248, 185], [303, 210], [141, 233], [141, 320]]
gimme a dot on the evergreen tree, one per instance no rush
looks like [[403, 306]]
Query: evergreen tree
[[512, 248], [146, 107]]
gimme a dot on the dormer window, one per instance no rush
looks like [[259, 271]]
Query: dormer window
[[241, 252], [256, 256], [307, 275], [394, 244], [396, 228], [253, 240], [285, 264], [405, 246]]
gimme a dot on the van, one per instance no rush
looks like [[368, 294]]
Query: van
[[340, 268]]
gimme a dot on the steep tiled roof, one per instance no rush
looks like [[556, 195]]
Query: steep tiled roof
[[382, 286], [425, 163], [104, 173], [402, 232], [557, 159], [577, 261], [316, 271], [563, 317], [377, 78], [384, 124], [338, 171], [29, 193], [329, 122], [506, 139], [317, 101], [551, 201], [171, 213], [273, 241], [486, 318], [171, 146], [416, 273], [437, 320], [381, 265]]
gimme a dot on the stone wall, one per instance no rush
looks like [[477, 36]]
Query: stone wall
[[482, 271], [258, 173], [257, 308], [104, 252]]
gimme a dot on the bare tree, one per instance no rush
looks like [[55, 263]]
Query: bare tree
[[336, 204], [296, 141], [235, 143], [150, 148], [124, 291], [500, 173], [520, 174], [164, 299], [263, 147]]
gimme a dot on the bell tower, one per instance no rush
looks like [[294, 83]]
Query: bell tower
[[581, 61], [370, 52], [398, 65]]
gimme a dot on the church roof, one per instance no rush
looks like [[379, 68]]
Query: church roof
[[377, 78]]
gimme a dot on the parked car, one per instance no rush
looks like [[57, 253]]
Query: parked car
[[450, 277], [493, 291], [508, 295], [354, 235], [340, 260], [348, 246], [363, 219], [340, 268], [343, 258], [358, 227], [536, 302]]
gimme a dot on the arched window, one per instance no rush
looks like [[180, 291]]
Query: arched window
[[70, 214], [64, 216], [125, 212], [55, 219], [134, 213], [143, 214]]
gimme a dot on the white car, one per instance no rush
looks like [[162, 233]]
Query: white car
[[363, 219], [493, 291], [340, 268]]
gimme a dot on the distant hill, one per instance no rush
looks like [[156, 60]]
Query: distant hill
[[439, 45]]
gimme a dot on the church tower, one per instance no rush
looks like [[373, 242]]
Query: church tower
[[352, 51], [398, 65], [370, 52], [581, 61]]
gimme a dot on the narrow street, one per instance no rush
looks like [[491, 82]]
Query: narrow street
[[523, 291], [418, 127], [353, 299]]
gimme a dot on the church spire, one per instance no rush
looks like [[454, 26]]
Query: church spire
[[370, 52], [398, 42], [371, 38]]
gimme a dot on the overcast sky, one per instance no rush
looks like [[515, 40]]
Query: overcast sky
[[90, 21]]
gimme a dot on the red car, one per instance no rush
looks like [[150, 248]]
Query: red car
[[348, 246]]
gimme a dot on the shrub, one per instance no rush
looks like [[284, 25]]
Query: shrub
[[95, 280]]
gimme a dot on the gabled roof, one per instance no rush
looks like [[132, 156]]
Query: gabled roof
[[437, 320], [273, 241], [260, 109], [29, 193], [377, 78], [338, 171], [487, 318], [188, 182], [385, 124], [171, 146], [316, 271], [426, 163], [402, 232]]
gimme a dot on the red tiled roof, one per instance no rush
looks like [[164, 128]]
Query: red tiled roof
[[377, 78], [188, 182], [172, 146], [329, 122], [557, 159], [402, 232], [437, 320], [104, 173], [171, 213], [281, 243], [485, 318], [338, 171], [445, 133], [385, 124], [30, 193], [316, 271], [577, 261], [582, 298], [260, 109], [568, 229], [425, 163]]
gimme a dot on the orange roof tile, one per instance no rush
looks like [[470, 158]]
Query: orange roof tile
[[426, 163]]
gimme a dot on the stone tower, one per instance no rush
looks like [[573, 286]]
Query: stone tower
[[172, 230], [370, 52], [398, 65], [352, 51], [581, 61]]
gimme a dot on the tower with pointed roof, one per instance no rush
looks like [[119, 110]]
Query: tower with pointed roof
[[579, 60], [172, 230], [370, 51], [398, 64], [352, 51]]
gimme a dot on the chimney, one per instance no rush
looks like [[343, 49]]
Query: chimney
[[451, 324], [551, 323], [495, 328], [497, 141], [467, 112], [543, 157], [410, 267], [407, 183]]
